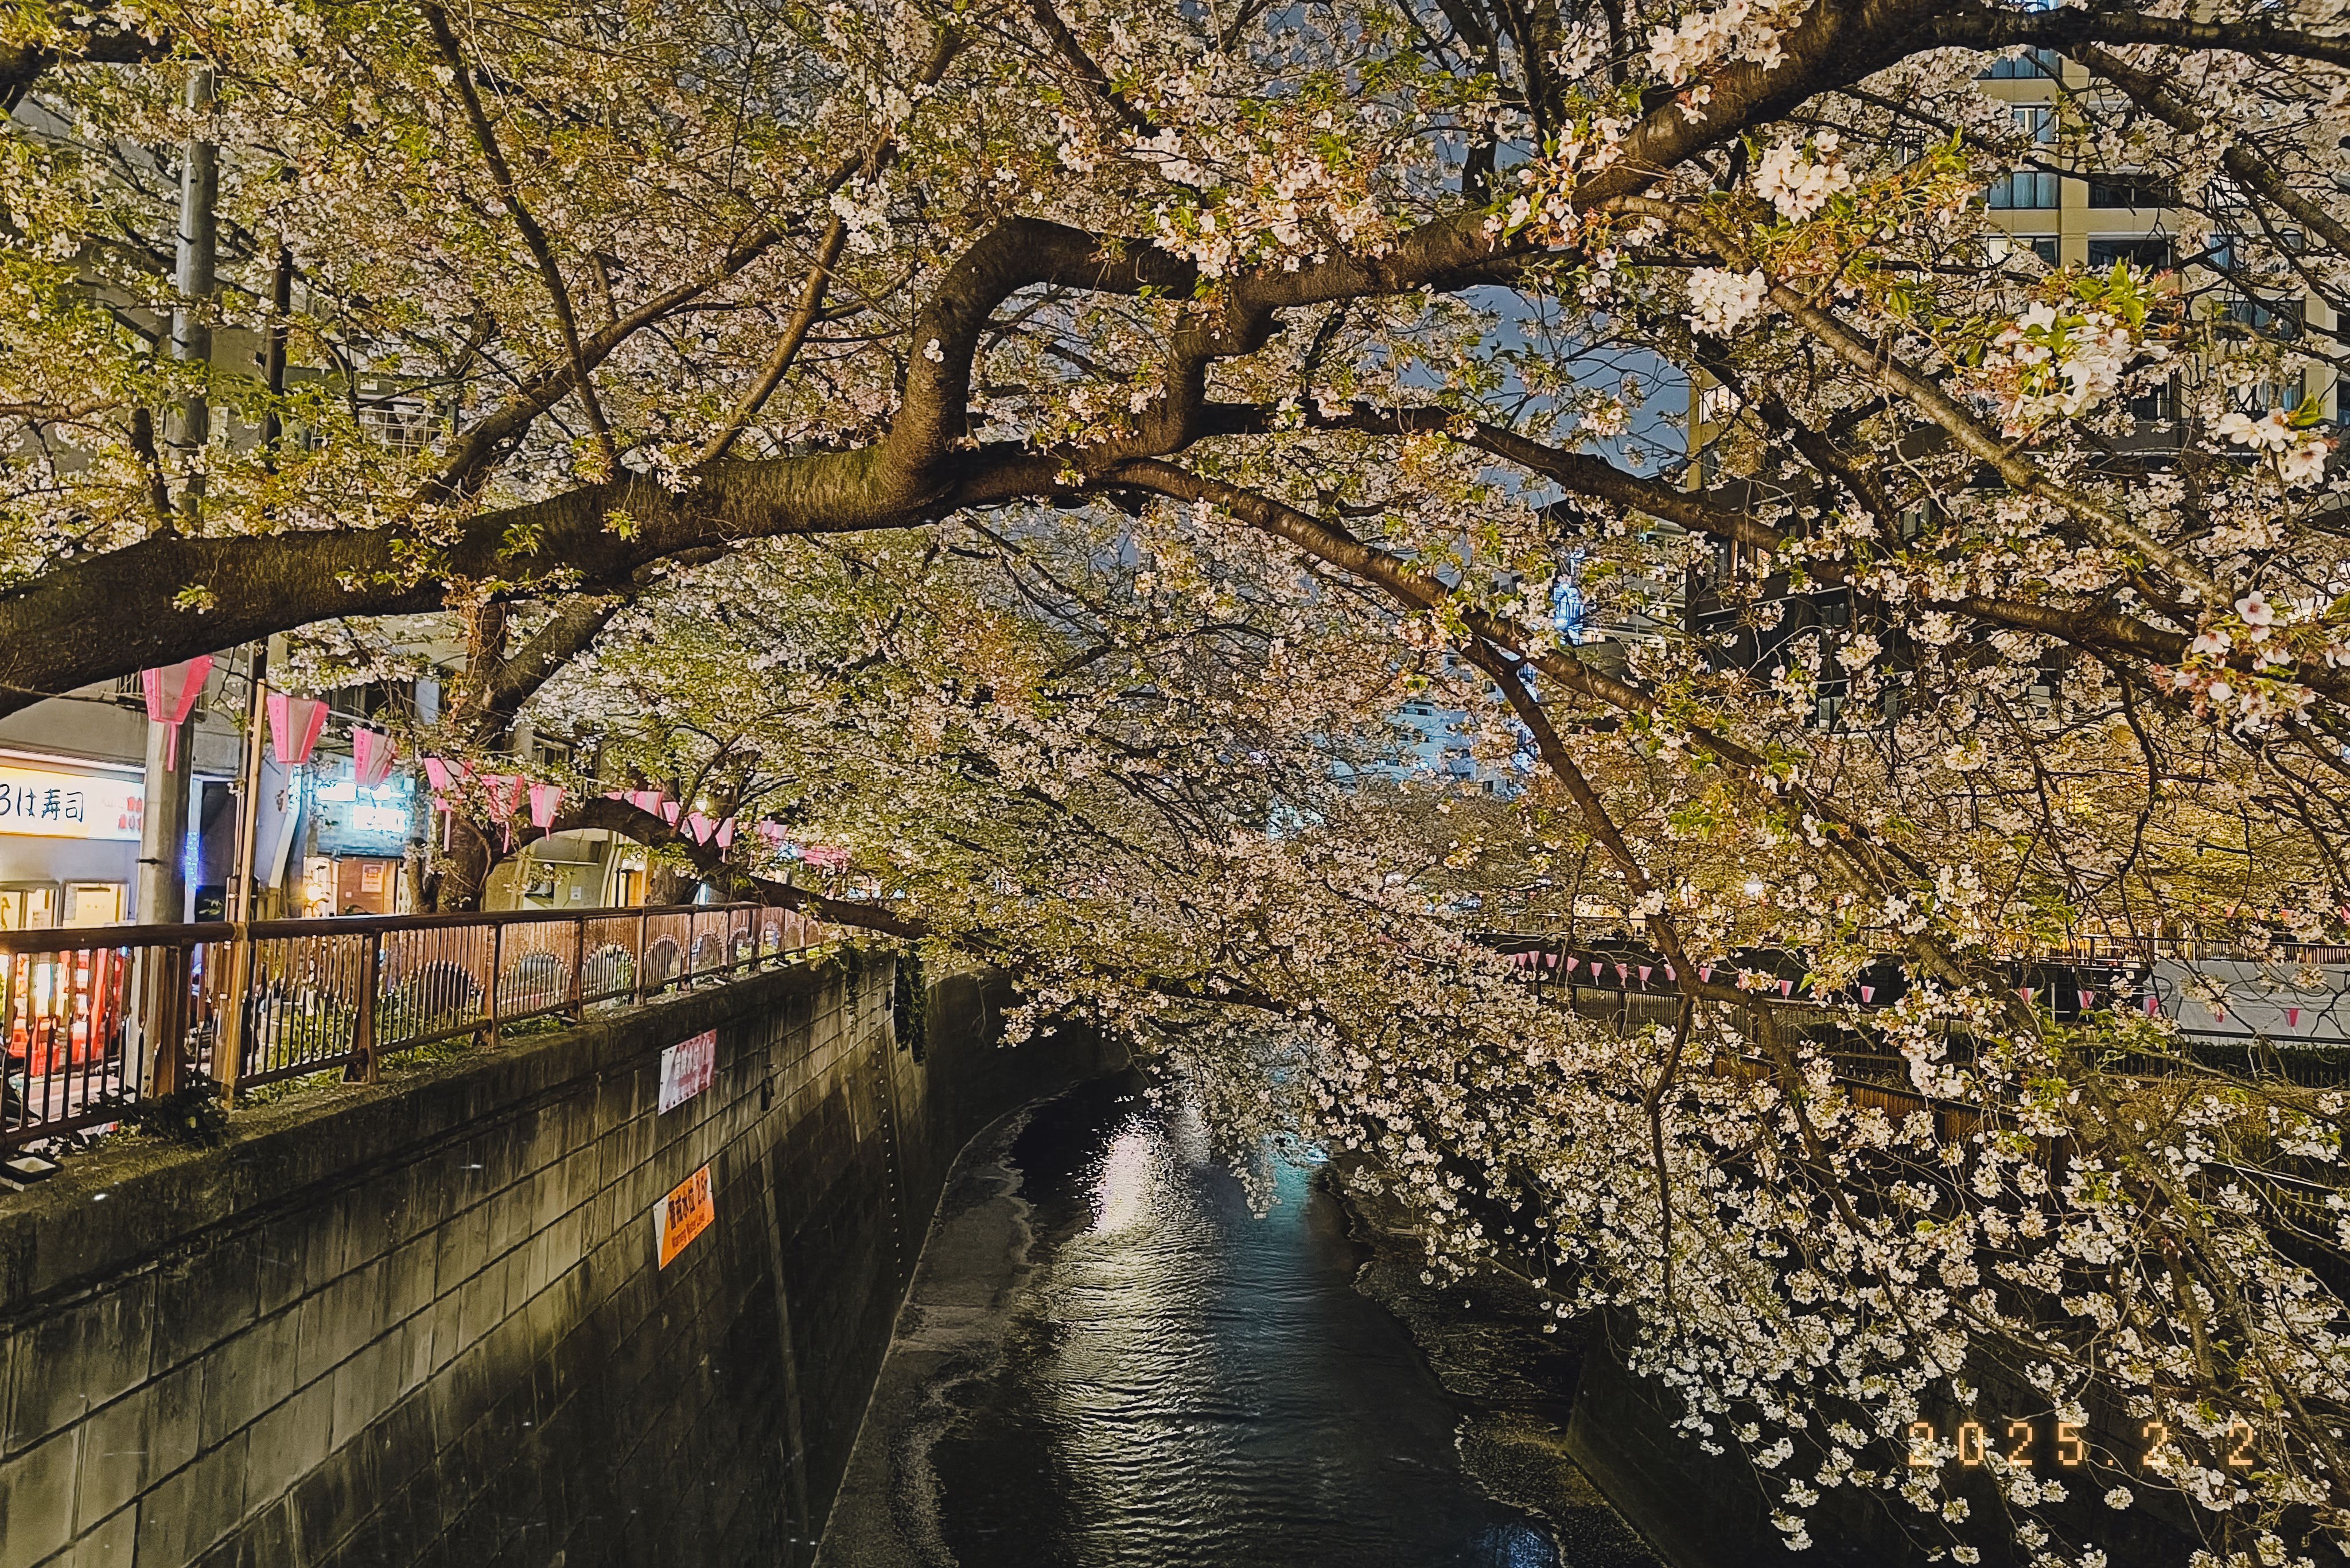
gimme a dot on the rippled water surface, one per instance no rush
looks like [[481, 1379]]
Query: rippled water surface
[[1186, 1384]]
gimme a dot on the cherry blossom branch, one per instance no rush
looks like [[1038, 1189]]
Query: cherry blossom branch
[[541, 249]]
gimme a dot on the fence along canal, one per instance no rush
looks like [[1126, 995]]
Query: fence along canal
[[98, 1018]]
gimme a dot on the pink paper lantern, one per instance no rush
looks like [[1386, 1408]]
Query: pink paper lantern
[[294, 726], [1705, 974], [371, 754], [172, 693], [648, 801], [701, 827], [672, 810], [546, 799], [503, 792], [1868, 994], [725, 836], [1646, 970], [1787, 988], [2292, 1018]]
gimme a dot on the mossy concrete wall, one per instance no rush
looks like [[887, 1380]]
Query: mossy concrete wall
[[425, 1324]]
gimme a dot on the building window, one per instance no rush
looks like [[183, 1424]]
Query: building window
[[2158, 403], [2269, 317], [2150, 251], [2033, 190], [2132, 190], [2031, 63], [2041, 245], [2026, 189], [2260, 397], [405, 424]]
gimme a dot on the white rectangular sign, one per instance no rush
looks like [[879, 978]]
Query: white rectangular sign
[[52, 804], [688, 1069]]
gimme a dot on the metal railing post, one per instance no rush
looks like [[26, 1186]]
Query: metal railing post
[[371, 986], [232, 1029], [497, 973], [164, 984], [644, 930], [579, 962]]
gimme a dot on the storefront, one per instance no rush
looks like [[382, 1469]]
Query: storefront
[[68, 841], [358, 841]]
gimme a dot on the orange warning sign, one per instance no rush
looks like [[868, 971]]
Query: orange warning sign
[[684, 1214]]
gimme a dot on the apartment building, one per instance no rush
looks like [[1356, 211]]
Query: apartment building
[[2089, 220], [2097, 220]]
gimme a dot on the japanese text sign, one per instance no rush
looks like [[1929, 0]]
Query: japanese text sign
[[688, 1069], [684, 1214]]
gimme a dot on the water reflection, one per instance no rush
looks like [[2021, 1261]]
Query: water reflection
[[1190, 1384]]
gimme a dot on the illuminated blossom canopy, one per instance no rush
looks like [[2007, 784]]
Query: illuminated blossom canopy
[[1038, 451]]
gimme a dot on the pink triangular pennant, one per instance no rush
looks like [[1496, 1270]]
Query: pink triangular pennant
[[1705, 974], [1573, 963], [438, 773], [1868, 994], [172, 693], [2154, 1007], [546, 800], [672, 810], [646, 800], [294, 726], [725, 837], [1787, 988], [503, 792], [1670, 976], [371, 754], [2027, 992], [701, 827], [1646, 970], [2292, 1018]]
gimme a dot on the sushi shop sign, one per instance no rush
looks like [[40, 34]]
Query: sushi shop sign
[[46, 804]]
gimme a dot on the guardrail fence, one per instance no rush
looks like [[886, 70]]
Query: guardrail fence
[[98, 1018]]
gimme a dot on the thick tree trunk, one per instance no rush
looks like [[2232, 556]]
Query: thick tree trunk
[[670, 885], [464, 874]]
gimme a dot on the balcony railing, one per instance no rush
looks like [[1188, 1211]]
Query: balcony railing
[[100, 1018]]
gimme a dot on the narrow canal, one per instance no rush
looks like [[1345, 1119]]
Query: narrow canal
[[1108, 1359]]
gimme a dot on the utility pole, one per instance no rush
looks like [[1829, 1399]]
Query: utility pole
[[191, 328], [171, 761]]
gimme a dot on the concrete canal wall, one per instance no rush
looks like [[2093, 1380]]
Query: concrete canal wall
[[426, 1324]]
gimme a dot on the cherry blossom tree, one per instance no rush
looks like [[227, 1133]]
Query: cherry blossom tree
[[1036, 451]]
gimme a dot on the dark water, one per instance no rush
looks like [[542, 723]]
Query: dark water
[[1184, 1383]]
